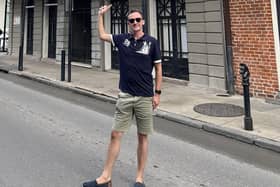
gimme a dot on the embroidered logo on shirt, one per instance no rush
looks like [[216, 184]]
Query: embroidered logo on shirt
[[126, 42], [145, 49]]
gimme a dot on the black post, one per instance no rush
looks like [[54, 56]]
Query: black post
[[62, 65], [244, 71], [22, 21], [70, 40], [5, 19]]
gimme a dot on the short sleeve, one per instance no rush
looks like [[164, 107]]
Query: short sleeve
[[156, 56], [117, 39]]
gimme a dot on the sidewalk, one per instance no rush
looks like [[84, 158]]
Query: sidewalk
[[177, 100]]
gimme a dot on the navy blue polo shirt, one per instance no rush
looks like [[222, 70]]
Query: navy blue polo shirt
[[137, 58]]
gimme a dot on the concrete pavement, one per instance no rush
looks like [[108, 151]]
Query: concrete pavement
[[177, 100]]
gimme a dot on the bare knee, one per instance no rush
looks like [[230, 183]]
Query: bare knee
[[115, 135], [142, 139]]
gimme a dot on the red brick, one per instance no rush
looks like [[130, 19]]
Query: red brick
[[253, 44]]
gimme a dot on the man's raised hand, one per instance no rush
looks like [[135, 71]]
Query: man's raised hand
[[104, 9]]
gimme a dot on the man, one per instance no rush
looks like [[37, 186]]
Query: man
[[138, 54]]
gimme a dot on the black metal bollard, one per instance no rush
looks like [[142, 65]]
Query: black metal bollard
[[244, 71], [20, 59], [69, 71], [62, 65]]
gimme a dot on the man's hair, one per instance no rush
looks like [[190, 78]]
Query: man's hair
[[136, 10]]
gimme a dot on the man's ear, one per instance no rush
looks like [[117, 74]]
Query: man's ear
[[143, 22]]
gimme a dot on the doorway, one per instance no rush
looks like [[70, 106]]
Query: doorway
[[52, 32], [172, 35], [119, 12], [29, 36], [81, 31]]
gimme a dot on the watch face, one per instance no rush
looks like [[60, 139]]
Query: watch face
[[158, 91]]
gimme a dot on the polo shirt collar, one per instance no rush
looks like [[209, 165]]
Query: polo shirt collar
[[132, 38]]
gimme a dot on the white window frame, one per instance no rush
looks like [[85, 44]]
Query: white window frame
[[276, 37]]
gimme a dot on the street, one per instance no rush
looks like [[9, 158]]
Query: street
[[55, 138]]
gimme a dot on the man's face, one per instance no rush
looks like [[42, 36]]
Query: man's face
[[135, 22]]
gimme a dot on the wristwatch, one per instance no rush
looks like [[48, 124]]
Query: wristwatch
[[158, 92]]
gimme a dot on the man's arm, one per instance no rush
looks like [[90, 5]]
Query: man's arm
[[102, 33], [158, 80]]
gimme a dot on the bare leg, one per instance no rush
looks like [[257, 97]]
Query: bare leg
[[112, 155], [142, 153]]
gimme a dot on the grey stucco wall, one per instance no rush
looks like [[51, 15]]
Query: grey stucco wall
[[14, 27], [38, 29], [205, 42], [135, 4], [96, 44], [61, 31]]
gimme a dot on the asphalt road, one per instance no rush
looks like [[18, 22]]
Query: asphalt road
[[54, 138]]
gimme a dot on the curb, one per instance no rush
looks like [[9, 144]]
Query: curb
[[4, 69], [224, 131], [65, 85], [184, 120]]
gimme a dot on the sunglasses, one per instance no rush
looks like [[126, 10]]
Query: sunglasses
[[133, 20]]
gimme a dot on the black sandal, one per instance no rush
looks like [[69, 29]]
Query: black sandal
[[139, 184], [94, 184]]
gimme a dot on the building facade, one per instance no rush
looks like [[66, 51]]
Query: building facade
[[202, 41], [2, 11], [4, 6], [255, 41]]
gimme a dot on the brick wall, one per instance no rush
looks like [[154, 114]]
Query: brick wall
[[253, 44]]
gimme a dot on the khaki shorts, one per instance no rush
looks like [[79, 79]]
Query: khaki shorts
[[128, 106]]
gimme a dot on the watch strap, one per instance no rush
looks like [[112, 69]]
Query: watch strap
[[158, 92]]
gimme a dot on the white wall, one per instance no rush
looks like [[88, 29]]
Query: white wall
[[2, 12], [276, 37]]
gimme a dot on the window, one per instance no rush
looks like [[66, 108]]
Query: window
[[51, 3], [81, 5], [30, 4]]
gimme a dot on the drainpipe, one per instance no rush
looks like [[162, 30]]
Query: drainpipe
[[228, 48], [11, 33], [5, 19], [70, 39], [42, 26]]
